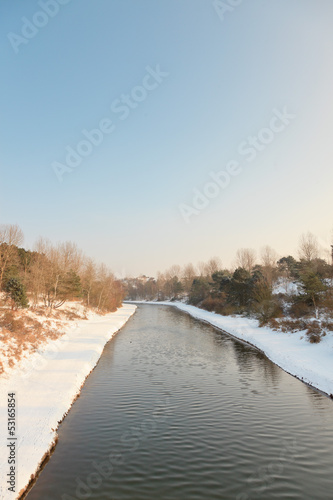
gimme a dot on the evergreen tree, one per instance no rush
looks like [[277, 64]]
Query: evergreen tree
[[71, 286], [16, 291], [221, 282], [312, 288], [240, 287], [199, 290]]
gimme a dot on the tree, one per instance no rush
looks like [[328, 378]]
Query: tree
[[177, 287], [11, 236], [213, 265], [199, 290], [240, 287], [16, 291], [288, 266], [246, 258], [71, 287], [188, 276], [55, 273], [269, 260], [263, 303], [220, 282], [312, 288], [308, 247], [88, 279]]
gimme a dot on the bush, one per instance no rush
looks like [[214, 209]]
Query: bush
[[296, 325], [273, 324], [267, 310], [287, 325], [314, 332], [213, 304], [9, 321], [300, 310], [229, 309], [327, 325]]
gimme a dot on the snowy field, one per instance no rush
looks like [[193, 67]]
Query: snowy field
[[311, 363], [45, 385]]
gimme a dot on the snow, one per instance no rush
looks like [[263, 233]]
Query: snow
[[46, 383], [311, 363], [285, 286]]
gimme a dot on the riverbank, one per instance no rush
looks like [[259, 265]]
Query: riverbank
[[311, 363], [45, 385]]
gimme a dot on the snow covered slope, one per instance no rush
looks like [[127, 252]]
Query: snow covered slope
[[45, 387]]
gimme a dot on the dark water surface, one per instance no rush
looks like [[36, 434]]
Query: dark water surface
[[183, 411]]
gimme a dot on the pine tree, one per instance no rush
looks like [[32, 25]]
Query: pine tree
[[16, 291], [312, 287]]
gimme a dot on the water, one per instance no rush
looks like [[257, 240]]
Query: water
[[183, 411]]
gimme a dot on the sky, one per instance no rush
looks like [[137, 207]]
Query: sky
[[164, 132]]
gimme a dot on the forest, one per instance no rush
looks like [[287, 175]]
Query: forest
[[50, 275], [285, 293]]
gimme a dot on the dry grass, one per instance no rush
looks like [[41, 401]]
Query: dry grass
[[314, 330], [21, 334]]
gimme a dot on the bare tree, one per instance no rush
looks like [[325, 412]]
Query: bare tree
[[213, 265], [172, 272], [88, 278], [202, 268], [188, 276], [109, 291], [269, 259], [38, 272], [52, 271], [308, 247], [246, 258], [269, 256], [70, 256]]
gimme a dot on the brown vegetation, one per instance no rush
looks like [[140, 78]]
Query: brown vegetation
[[21, 334]]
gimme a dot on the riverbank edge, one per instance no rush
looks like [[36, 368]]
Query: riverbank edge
[[309, 363], [108, 326]]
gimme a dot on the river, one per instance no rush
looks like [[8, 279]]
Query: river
[[178, 410]]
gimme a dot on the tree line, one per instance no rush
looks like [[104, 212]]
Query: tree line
[[52, 274], [265, 286]]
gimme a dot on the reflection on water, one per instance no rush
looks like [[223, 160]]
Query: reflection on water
[[176, 409]]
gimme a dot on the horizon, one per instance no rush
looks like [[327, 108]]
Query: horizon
[[324, 248]]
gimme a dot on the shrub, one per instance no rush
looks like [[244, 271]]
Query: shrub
[[213, 304], [314, 332], [11, 323], [299, 310], [288, 325], [327, 325], [266, 310], [272, 323], [229, 309]]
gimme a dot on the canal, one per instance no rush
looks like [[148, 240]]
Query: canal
[[178, 410]]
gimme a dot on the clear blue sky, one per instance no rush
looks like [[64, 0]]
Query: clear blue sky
[[226, 75]]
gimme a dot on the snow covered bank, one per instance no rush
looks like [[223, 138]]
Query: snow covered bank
[[312, 363], [45, 386]]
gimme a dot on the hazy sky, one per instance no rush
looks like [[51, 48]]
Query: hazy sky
[[183, 91]]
